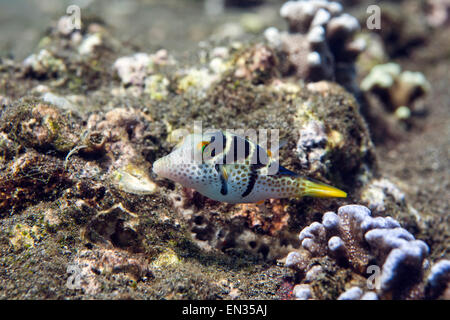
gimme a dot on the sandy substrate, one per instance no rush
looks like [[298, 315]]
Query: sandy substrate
[[421, 160]]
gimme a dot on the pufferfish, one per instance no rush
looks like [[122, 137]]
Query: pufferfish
[[229, 168]]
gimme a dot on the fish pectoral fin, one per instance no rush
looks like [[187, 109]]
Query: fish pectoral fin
[[223, 178], [224, 173]]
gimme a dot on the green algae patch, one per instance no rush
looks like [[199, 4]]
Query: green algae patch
[[24, 237]]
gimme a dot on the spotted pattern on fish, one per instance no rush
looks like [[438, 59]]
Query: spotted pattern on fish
[[229, 168]]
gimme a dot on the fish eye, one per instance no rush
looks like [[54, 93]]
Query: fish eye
[[202, 145]]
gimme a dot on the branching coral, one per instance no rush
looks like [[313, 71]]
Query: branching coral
[[357, 240], [394, 87], [356, 293], [319, 43], [438, 281]]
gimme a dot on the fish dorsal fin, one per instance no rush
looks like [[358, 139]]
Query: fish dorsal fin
[[282, 171]]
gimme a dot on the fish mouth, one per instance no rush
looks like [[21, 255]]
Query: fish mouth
[[164, 168], [158, 167]]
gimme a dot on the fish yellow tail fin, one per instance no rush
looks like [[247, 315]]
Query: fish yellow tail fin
[[320, 190]]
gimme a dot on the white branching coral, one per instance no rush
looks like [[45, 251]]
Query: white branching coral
[[395, 87], [438, 281], [319, 42]]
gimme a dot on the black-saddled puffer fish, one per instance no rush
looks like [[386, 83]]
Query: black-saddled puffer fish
[[229, 168]]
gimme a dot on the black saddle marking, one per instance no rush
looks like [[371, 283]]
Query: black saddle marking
[[252, 180]]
